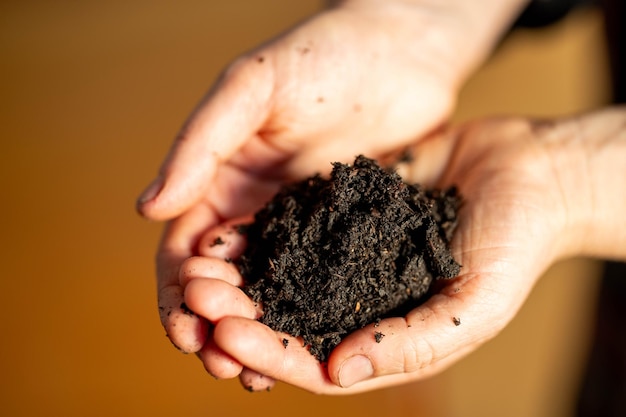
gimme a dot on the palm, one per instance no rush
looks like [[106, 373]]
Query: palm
[[512, 199], [505, 239]]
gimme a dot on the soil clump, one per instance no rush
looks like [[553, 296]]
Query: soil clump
[[326, 257]]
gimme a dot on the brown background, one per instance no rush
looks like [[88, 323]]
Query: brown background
[[92, 93]]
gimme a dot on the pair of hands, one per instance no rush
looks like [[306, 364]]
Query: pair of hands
[[338, 85]]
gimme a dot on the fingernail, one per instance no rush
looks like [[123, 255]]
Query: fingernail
[[355, 369], [151, 191]]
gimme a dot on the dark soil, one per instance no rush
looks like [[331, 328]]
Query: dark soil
[[328, 256]]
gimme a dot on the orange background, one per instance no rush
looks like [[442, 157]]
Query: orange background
[[92, 94]]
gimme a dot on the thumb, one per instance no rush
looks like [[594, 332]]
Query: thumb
[[430, 338], [231, 113]]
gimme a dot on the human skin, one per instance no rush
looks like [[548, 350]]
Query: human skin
[[363, 77], [534, 192]]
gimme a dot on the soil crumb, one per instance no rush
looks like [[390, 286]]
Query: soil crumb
[[361, 238]]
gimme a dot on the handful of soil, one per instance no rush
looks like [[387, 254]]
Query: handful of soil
[[326, 257]]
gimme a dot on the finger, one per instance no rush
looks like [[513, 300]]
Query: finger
[[185, 330], [232, 112], [450, 324], [284, 358], [217, 362], [275, 355], [254, 381], [225, 241], [215, 299], [202, 267]]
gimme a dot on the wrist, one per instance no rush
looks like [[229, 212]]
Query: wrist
[[588, 155], [604, 140], [461, 33]]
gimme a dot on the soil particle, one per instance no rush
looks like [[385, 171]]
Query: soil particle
[[406, 157], [326, 257], [241, 228], [186, 310]]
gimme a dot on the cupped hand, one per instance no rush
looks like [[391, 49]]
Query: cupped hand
[[345, 82], [516, 220]]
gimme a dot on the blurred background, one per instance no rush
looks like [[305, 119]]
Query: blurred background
[[92, 94]]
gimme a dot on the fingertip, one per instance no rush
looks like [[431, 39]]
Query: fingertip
[[215, 299], [218, 363], [375, 350], [186, 330], [225, 241], [251, 342], [165, 198], [423, 343], [254, 382], [226, 336], [198, 267], [143, 203], [355, 369], [183, 181]]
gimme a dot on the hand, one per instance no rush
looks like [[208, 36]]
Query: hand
[[527, 204], [365, 77], [344, 82]]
